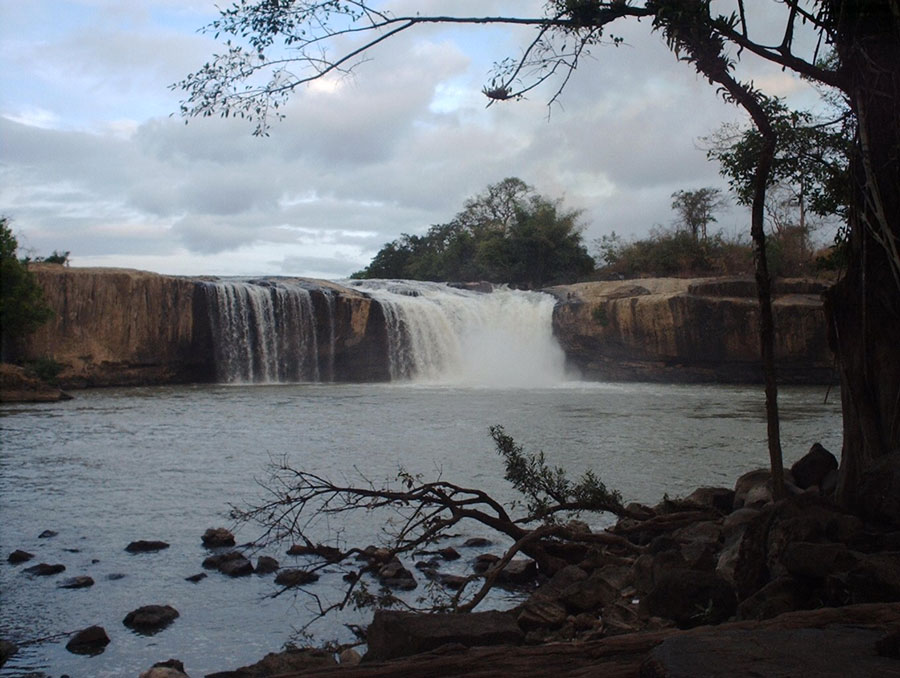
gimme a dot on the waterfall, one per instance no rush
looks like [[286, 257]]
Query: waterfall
[[437, 333], [266, 331]]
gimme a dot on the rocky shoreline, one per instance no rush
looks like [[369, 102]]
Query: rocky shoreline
[[701, 582]]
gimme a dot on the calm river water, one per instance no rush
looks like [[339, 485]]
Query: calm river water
[[117, 465]]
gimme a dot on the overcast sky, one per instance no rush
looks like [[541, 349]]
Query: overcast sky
[[95, 160]]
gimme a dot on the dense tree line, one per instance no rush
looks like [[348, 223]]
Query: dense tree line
[[507, 234]]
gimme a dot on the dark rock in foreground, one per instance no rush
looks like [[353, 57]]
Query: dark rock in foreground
[[171, 668], [91, 640], [150, 618], [397, 634], [290, 662], [142, 546], [7, 650], [266, 565], [19, 556]]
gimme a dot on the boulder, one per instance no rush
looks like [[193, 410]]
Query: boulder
[[329, 553], [824, 653], [394, 575], [19, 556], [349, 657], [143, 546], [817, 560], [478, 542], [290, 578], [590, 594], [195, 578], [484, 562], [47, 534], [518, 571], [80, 582], [813, 468], [150, 618], [45, 569], [171, 668], [879, 490], [449, 553], [292, 661], [215, 537], [453, 582], [691, 598], [266, 565], [541, 612], [781, 595], [399, 634], [233, 563], [7, 650], [92, 640], [718, 498]]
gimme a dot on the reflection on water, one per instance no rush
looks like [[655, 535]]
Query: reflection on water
[[117, 465]]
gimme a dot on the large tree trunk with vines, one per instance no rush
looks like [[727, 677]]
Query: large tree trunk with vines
[[864, 308]]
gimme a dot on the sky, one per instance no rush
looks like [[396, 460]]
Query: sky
[[96, 160]]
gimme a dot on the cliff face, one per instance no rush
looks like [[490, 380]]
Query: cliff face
[[122, 327], [114, 327], [687, 330]]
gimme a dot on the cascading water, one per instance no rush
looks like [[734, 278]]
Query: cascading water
[[266, 331], [438, 333]]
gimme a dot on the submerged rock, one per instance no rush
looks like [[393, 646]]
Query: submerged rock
[[7, 650], [80, 582], [47, 534], [233, 563], [266, 565], [45, 569], [295, 577]]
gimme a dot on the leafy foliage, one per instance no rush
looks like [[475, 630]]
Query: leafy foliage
[[547, 489], [22, 305], [695, 210], [507, 234]]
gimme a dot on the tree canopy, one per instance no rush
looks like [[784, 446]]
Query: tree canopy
[[22, 305], [507, 234], [274, 47]]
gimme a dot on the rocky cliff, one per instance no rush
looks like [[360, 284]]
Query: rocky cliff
[[690, 330], [122, 327], [114, 327]]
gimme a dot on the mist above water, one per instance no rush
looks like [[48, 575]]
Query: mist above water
[[443, 335]]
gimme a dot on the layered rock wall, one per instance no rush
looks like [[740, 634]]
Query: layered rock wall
[[690, 330]]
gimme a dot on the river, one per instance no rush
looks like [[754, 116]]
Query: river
[[117, 465]]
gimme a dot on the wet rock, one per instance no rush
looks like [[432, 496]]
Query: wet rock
[[90, 641], [518, 572], [478, 542], [452, 581], [292, 661], [19, 556], [150, 618], [7, 650], [484, 562], [143, 546], [329, 553], [236, 566], [817, 560], [394, 575], [449, 553], [217, 536], [691, 598], [295, 577], [266, 565], [233, 563], [45, 569], [171, 668], [80, 582], [194, 578], [47, 534], [812, 469], [116, 576], [399, 634]]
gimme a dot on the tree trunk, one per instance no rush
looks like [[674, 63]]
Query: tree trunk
[[864, 308]]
